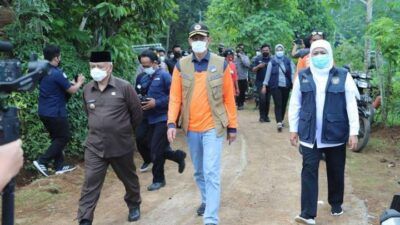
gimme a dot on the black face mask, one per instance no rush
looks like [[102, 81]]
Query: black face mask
[[177, 55], [265, 54]]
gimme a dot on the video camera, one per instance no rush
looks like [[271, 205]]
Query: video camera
[[12, 80]]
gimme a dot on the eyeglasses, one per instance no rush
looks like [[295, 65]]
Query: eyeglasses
[[317, 33]]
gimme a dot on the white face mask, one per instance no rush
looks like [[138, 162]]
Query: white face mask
[[162, 58], [199, 46], [149, 70], [98, 74]]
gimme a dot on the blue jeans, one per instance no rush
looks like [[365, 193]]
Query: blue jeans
[[205, 151]]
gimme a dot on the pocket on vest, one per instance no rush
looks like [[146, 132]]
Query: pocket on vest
[[304, 125], [336, 127], [221, 113], [216, 88]]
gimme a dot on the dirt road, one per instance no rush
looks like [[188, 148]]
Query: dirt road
[[260, 185]]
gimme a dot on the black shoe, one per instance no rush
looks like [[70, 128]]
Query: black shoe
[[155, 186], [262, 120], [85, 222], [145, 167], [336, 211], [279, 127], [240, 107], [201, 209], [134, 214], [267, 120], [181, 161]]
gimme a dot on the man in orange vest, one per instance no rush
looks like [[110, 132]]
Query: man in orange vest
[[203, 93]]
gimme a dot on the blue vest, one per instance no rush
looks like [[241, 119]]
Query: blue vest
[[335, 122], [274, 79]]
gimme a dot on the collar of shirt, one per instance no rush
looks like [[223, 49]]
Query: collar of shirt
[[201, 65]]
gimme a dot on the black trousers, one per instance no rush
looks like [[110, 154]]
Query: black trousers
[[265, 101], [142, 140], [335, 165], [58, 128], [160, 150], [243, 85], [95, 173], [280, 96]]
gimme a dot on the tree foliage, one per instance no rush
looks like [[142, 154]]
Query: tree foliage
[[256, 22]]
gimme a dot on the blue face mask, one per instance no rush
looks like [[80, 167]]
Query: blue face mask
[[320, 61], [279, 54]]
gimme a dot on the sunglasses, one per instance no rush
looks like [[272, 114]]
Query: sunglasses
[[317, 33]]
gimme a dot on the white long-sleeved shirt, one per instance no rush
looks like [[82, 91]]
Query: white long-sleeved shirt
[[351, 93]]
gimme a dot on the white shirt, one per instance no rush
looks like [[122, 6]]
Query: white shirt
[[351, 93]]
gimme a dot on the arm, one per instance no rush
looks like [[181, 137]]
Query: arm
[[352, 111], [294, 107], [293, 68], [351, 105], [134, 106], [245, 60], [175, 98], [294, 50], [267, 74], [229, 101], [84, 103], [162, 102], [76, 86], [11, 160]]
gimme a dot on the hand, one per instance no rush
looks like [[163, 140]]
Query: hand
[[264, 90], [237, 92], [231, 137], [151, 103], [11, 160], [261, 65], [294, 138], [171, 134], [81, 79], [353, 142]]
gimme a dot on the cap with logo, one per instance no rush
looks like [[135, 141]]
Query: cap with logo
[[198, 28]]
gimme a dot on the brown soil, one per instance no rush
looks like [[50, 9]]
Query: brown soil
[[260, 185]]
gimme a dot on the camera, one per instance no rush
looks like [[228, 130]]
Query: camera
[[298, 40], [12, 80]]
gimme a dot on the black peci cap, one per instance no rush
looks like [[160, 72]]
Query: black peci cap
[[198, 28], [103, 56]]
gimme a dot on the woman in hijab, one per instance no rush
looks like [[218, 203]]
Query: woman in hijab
[[278, 79], [323, 115]]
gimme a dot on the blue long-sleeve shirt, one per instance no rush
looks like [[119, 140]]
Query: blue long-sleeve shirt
[[159, 90]]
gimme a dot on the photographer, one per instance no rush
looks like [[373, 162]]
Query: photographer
[[242, 63], [11, 160], [300, 48], [54, 93], [151, 137]]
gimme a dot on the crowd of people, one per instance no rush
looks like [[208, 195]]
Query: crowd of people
[[200, 92]]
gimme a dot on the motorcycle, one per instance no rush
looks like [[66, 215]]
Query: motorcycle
[[365, 109]]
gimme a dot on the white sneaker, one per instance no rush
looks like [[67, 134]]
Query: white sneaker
[[65, 169], [41, 167], [302, 220]]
